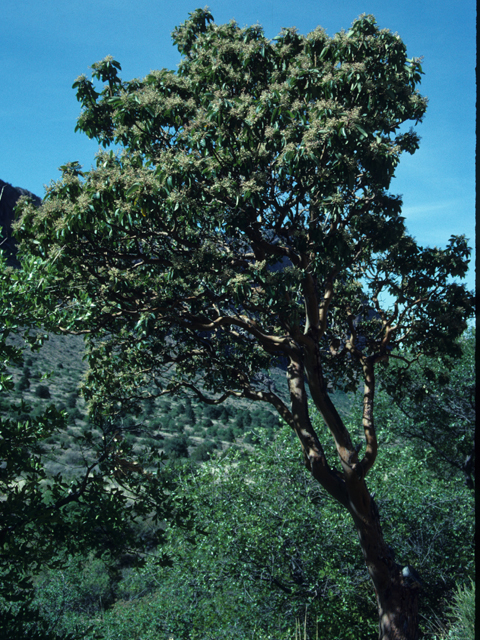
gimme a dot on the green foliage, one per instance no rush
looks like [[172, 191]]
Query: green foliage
[[204, 451], [72, 400], [269, 544], [189, 413], [228, 434], [177, 447], [23, 384], [81, 586], [434, 408], [463, 613], [300, 136], [42, 513]]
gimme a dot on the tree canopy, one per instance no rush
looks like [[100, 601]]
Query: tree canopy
[[243, 220]]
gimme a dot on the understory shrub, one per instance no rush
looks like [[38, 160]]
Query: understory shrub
[[269, 546], [42, 391]]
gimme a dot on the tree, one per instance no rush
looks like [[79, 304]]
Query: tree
[[244, 221]]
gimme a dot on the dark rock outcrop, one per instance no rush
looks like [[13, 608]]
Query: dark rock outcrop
[[8, 199]]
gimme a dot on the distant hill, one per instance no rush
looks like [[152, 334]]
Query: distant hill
[[8, 199]]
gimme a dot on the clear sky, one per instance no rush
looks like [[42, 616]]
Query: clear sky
[[45, 45]]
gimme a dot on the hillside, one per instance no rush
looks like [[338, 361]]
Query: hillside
[[179, 426]]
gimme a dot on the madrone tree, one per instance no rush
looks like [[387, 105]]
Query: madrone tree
[[243, 221]]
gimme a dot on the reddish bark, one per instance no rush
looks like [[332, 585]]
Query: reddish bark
[[397, 598]]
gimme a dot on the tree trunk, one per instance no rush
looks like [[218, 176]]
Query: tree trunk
[[397, 596]]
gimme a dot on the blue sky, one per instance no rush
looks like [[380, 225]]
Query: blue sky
[[45, 45]]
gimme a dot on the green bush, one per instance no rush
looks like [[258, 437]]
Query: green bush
[[177, 447], [74, 415], [228, 434], [463, 613], [224, 416], [42, 391], [213, 412], [82, 588], [238, 423], [166, 405], [23, 384], [178, 410], [71, 401], [149, 406], [189, 414], [129, 423], [204, 451], [251, 438], [212, 431], [271, 547], [166, 424]]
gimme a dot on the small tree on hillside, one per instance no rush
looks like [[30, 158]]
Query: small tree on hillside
[[247, 223]]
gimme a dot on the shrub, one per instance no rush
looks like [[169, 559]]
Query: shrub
[[166, 405], [83, 587], [74, 415], [239, 422], [251, 438], [228, 434], [178, 410], [213, 412], [177, 447], [42, 391], [189, 414], [156, 424], [166, 424], [129, 423], [72, 399], [22, 384], [204, 451], [463, 613], [212, 431], [149, 406]]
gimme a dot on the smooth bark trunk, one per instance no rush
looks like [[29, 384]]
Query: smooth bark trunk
[[397, 597]]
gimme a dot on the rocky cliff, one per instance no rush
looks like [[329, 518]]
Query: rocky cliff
[[8, 199]]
